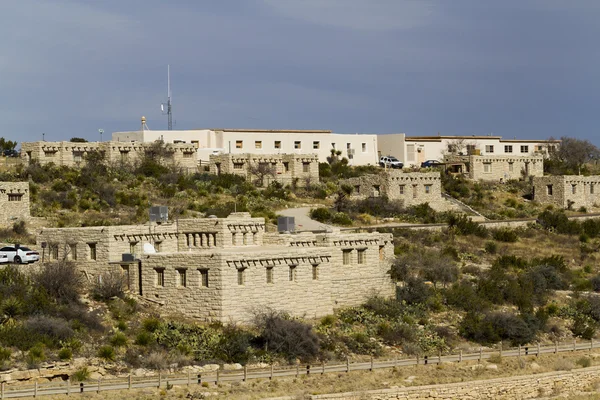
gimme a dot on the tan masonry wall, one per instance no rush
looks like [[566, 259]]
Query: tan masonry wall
[[14, 202], [494, 168], [576, 190], [288, 168], [411, 188], [72, 154], [308, 273]]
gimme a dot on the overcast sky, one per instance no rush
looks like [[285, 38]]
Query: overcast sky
[[515, 68]]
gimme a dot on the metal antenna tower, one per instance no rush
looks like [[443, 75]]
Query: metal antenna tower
[[169, 111]]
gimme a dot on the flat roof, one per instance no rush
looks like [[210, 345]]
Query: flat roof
[[271, 130]]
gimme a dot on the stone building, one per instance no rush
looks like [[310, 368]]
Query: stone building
[[14, 202], [287, 169], [73, 154], [411, 188], [223, 269], [568, 191], [496, 168]]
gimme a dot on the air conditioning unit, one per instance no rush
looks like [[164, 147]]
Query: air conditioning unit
[[285, 224]]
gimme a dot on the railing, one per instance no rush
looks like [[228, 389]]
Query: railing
[[8, 391]]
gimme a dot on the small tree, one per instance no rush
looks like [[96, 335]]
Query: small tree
[[78, 140], [574, 153], [61, 280], [261, 170]]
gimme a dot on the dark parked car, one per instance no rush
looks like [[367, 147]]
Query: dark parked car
[[10, 153], [431, 163]]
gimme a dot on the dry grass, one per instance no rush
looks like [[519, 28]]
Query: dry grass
[[354, 381]]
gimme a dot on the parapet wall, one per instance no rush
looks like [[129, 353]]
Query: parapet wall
[[565, 191], [496, 168], [14, 202]]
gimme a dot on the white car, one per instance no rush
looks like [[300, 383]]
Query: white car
[[3, 259], [20, 255]]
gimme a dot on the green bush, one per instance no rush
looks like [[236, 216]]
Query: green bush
[[584, 362], [151, 324], [5, 354], [463, 225], [321, 214], [491, 247], [108, 286], [341, 218], [81, 375], [107, 353], [143, 339], [61, 280], [119, 339], [65, 354], [505, 235]]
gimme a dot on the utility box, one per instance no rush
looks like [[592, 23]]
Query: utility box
[[159, 214], [127, 257], [286, 224]]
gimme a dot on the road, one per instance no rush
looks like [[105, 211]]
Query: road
[[303, 221]]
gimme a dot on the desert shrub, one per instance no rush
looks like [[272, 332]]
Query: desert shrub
[[396, 333], [463, 225], [121, 325], [414, 291], [143, 339], [118, 339], [491, 247], [61, 280], [20, 228], [151, 324], [493, 327], [122, 309], [5, 354], [234, 345], [65, 354], [595, 281], [463, 295], [558, 222], [563, 364], [55, 330], [341, 218], [583, 326], [584, 362], [157, 360], [290, 338], [387, 308], [505, 235], [35, 356], [495, 358], [81, 375], [108, 286], [107, 353]]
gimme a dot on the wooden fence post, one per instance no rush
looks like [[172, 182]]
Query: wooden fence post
[[81, 387], [519, 351], [189, 378], [245, 372], [417, 364], [323, 368], [98, 390], [591, 344], [538, 350], [501, 349], [347, 364], [308, 369], [555, 346], [371, 369], [460, 356], [68, 387], [2, 391], [574, 344], [439, 357], [217, 382], [480, 351], [159, 380], [297, 370], [271, 377], [35, 387]]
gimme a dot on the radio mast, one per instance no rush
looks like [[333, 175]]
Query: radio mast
[[169, 106]]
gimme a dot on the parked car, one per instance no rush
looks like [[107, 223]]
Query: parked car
[[10, 153], [390, 162], [3, 259], [431, 163], [19, 255]]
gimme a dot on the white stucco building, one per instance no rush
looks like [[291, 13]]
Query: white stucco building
[[413, 150], [360, 149]]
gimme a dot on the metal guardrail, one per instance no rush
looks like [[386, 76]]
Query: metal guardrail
[[167, 380]]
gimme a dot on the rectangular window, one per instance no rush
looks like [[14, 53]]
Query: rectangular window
[[196, 142], [316, 145], [471, 149], [239, 144], [188, 155], [133, 247], [245, 238], [427, 189], [357, 189], [54, 251], [381, 253], [160, 277], [73, 251], [364, 147], [297, 144], [511, 166], [489, 148], [286, 167], [401, 189], [241, 276], [277, 144], [258, 144], [362, 256], [49, 153], [15, 197], [591, 188], [574, 189], [549, 190], [93, 255], [524, 149], [269, 274], [157, 245], [124, 155], [487, 168], [415, 191], [346, 254], [182, 277], [305, 167], [78, 156], [204, 278], [315, 272], [292, 274], [238, 165]]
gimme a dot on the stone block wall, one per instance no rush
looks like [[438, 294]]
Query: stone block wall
[[72, 154], [494, 168], [411, 188], [568, 190], [14, 202], [286, 168]]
